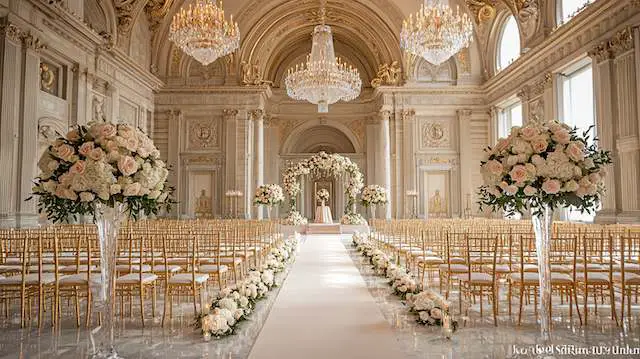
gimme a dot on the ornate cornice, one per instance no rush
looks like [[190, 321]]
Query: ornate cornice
[[600, 52], [408, 115], [11, 32], [464, 113], [621, 42], [257, 115], [229, 114]]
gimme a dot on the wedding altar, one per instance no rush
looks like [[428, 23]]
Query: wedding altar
[[314, 228]]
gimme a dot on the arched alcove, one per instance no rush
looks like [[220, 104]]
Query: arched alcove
[[330, 137]]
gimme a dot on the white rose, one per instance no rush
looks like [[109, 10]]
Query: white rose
[[87, 197], [131, 189]]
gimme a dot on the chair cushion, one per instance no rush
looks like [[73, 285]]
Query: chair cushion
[[170, 268], [6, 268], [561, 268], [186, 278], [481, 278], [80, 279], [532, 278], [429, 260], [591, 267], [31, 279], [629, 278], [125, 268], [213, 268], [134, 278], [454, 268], [593, 278], [500, 268], [628, 267]]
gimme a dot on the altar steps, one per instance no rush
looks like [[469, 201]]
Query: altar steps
[[322, 228]]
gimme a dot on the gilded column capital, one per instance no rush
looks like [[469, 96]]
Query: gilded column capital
[[464, 113], [229, 114], [524, 94], [385, 115], [621, 42], [408, 115], [600, 52], [11, 32], [32, 42], [257, 115]]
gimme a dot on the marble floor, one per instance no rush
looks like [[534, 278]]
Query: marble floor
[[332, 305]]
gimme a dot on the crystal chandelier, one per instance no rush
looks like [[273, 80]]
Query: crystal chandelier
[[436, 33], [323, 79], [202, 32]]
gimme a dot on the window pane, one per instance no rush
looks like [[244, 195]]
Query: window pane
[[516, 115], [509, 47], [569, 8]]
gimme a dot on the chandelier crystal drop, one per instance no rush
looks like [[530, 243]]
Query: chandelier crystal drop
[[436, 33], [323, 79], [202, 32]]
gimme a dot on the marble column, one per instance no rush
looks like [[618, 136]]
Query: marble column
[[623, 49], [175, 119], [258, 154], [603, 81], [385, 159], [409, 164], [467, 165], [11, 55], [229, 118], [29, 129]]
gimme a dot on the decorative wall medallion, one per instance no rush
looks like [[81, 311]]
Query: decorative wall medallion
[[203, 134], [434, 134]]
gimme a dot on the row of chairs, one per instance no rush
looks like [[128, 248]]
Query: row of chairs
[[173, 258], [479, 256]]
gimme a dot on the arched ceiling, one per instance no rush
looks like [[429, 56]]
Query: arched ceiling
[[277, 33]]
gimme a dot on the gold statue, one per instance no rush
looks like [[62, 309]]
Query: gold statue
[[437, 205], [203, 205], [388, 75], [251, 75]]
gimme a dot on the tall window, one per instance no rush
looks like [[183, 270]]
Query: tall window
[[508, 44], [578, 111], [509, 117], [568, 8]]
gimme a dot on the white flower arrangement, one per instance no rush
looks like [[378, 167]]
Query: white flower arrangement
[[324, 165], [351, 218], [101, 163], [234, 304], [294, 218], [323, 195], [431, 308], [374, 194], [268, 195], [544, 164]]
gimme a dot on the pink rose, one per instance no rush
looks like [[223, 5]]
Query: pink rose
[[551, 186], [595, 178], [530, 191], [86, 148], [64, 152], [519, 173], [511, 190], [78, 167], [539, 144], [131, 144], [126, 131], [561, 136], [127, 165], [581, 191], [528, 133], [503, 185], [574, 152], [494, 167], [73, 135], [502, 145], [96, 154]]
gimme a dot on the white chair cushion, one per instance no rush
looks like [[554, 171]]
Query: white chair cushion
[[170, 268], [186, 278], [81, 279], [47, 278], [134, 278], [213, 268]]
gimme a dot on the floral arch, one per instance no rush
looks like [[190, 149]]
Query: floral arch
[[325, 165]]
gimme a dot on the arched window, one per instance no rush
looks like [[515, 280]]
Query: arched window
[[508, 44], [569, 8]]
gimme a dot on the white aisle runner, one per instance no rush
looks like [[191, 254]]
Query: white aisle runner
[[324, 310]]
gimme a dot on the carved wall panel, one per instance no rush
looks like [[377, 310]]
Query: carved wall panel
[[435, 134], [128, 113], [203, 134]]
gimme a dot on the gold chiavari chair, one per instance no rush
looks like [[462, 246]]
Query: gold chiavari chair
[[431, 256], [594, 273], [211, 253], [138, 281], [626, 277], [454, 260], [183, 245], [480, 280]]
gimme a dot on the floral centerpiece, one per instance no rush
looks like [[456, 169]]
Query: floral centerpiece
[[372, 196], [540, 167], [268, 195], [323, 195], [107, 171]]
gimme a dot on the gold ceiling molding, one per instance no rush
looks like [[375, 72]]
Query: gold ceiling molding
[[483, 10], [127, 12], [156, 11], [388, 75]]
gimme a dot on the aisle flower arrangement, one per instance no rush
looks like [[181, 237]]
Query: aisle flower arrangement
[[353, 218], [430, 307], [234, 304], [101, 163], [373, 195], [268, 195], [323, 195], [295, 218], [544, 164]]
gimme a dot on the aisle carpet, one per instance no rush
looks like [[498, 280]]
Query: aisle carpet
[[324, 310]]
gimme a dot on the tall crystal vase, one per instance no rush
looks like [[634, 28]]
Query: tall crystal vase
[[372, 208], [269, 208], [108, 221], [543, 226]]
